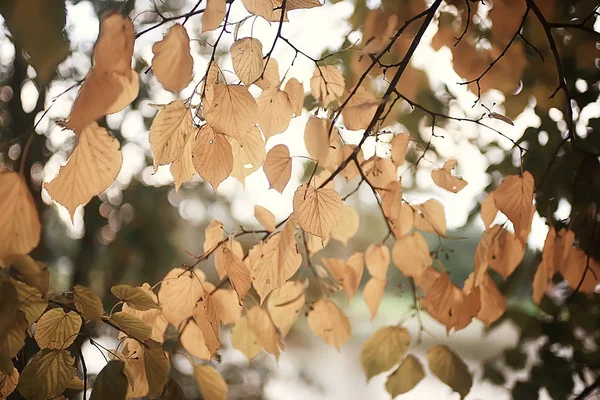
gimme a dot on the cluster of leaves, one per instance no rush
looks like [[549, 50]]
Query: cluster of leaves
[[222, 130]]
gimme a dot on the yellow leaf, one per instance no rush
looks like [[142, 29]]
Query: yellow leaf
[[380, 172], [211, 383], [581, 271], [450, 369], [249, 157], [322, 146], [284, 305], [235, 247], [443, 178], [488, 210], [212, 156], [134, 356], [279, 261], [373, 293], [227, 306], [192, 339], [265, 218], [247, 58], [208, 87], [270, 75], [47, 375], [57, 329], [88, 303], [34, 273], [411, 254], [268, 9], [295, 91], [348, 225], [514, 197], [384, 349], [172, 63], [238, 272], [233, 111], [351, 170], [130, 325], [157, 367], [134, 297], [213, 15], [103, 92], [205, 315], [430, 217], [360, 110], [266, 334], [176, 307], [169, 132], [153, 317], [377, 258], [91, 169], [213, 235], [244, 339], [318, 210], [20, 226], [183, 169], [111, 382], [114, 48], [399, 148], [8, 383], [327, 85], [31, 301], [506, 253], [13, 338], [405, 377], [545, 271], [275, 111], [327, 321], [278, 167]]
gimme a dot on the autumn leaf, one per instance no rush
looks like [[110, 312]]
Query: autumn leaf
[[284, 305], [270, 75], [268, 9], [266, 334], [265, 218], [249, 157], [211, 383], [329, 322], [8, 383], [360, 109], [275, 111], [318, 210], [31, 301], [34, 273], [131, 326], [171, 129], [295, 91], [443, 178], [20, 226], [233, 111], [9, 305], [91, 169], [47, 375], [430, 217], [327, 85], [247, 58], [172, 63], [405, 377], [111, 382], [238, 272], [322, 146], [488, 210], [227, 306], [176, 307], [183, 169], [299, 4], [380, 172], [493, 302], [157, 367], [506, 253], [134, 356], [153, 317], [212, 156], [514, 197], [373, 293], [192, 339], [450, 369], [411, 254], [244, 339], [213, 235], [278, 167], [399, 148], [348, 226], [213, 15], [134, 297], [57, 329], [234, 247], [114, 48], [545, 270], [205, 315], [384, 349], [13, 335], [351, 170], [88, 303], [582, 272], [377, 258]]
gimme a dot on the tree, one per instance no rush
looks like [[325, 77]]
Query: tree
[[376, 120]]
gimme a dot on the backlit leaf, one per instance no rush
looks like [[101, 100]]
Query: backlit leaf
[[284, 305], [380, 172], [443, 178], [322, 145], [8, 383], [247, 58], [488, 210], [172, 63], [183, 169], [399, 148], [57, 329], [134, 297], [227, 306], [430, 217], [295, 91], [211, 383], [192, 339], [205, 315], [249, 157], [47, 375], [450, 369], [545, 271], [157, 367], [213, 15], [411, 254], [13, 338], [235, 248], [405, 377], [377, 258], [176, 307], [373, 293], [506, 253], [360, 110], [238, 272], [213, 235], [384, 349], [348, 226], [318, 210], [275, 111], [298, 4], [581, 271], [266, 334], [244, 339], [31, 301], [9, 305], [169, 132], [212, 156], [265, 218], [327, 85], [134, 356], [264, 8], [88, 303], [270, 75], [278, 167], [514, 197], [130, 325], [329, 322], [34, 273], [351, 171], [233, 111]]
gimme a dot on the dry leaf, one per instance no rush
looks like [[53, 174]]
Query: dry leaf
[[153, 317], [373, 293], [329, 322], [506, 253], [192, 339], [493, 302], [88, 303], [235, 247], [247, 58], [131, 326], [57, 329], [227, 306], [270, 75], [298, 4], [380, 172], [211, 383], [384, 349], [244, 339], [268, 9], [322, 146], [176, 307], [47, 375], [212, 156], [514, 197], [377, 258], [183, 169], [134, 356], [483, 251], [411, 254], [351, 170], [134, 297], [213, 235], [205, 315], [430, 217], [360, 110], [318, 210], [31, 302], [213, 15], [348, 225], [114, 48], [265, 218], [581, 271], [545, 271], [450, 369], [488, 210], [8, 383], [443, 178], [233, 111], [112, 382], [20, 226], [172, 63], [405, 377], [238, 272], [171, 129], [295, 91], [327, 85], [34, 273], [266, 333], [93, 166], [399, 148], [284, 305], [278, 167], [249, 157], [274, 112]]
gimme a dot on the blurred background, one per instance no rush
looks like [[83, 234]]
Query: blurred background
[[141, 227]]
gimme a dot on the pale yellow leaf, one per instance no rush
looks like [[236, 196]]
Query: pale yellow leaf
[[211, 383], [212, 156], [238, 272], [295, 91], [278, 167], [405, 377], [430, 217], [327, 85], [31, 301], [279, 261], [170, 131], [545, 270], [265, 218], [270, 75], [112, 382], [329, 322], [183, 169], [8, 383], [247, 58], [360, 110], [57, 329], [213, 15], [284, 305], [172, 63], [450, 369], [266, 334], [88, 303], [47, 375], [348, 225], [192, 339], [443, 178], [488, 210], [131, 326], [213, 235], [227, 306], [134, 297], [233, 111], [176, 307], [275, 111], [244, 339], [411, 254], [322, 146], [235, 247], [373, 293], [93, 166], [20, 226], [377, 258], [351, 170], [249, 157], [384, 349], [399, 148], [514, 197], [318, 211], [380, 172], [205, 315]]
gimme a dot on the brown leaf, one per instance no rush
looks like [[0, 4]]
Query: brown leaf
[[270, 75], [360, 110], [213, 15], [329, 322], [247, 58], [213, 235], [172, 63], [377, 258], [514, 197], [384, 349], [176, 307], [411, 254], [450, 369], [405, 377], [47, 374], [380, 172], [322, 146], [582, 272], [430, 217], [295, 91], [114, 48], [171, 129], [183, 169], [266, 333], [373, 293], [348, 225], [488, 210], [238, 272], [275, 112], [506, 253], [278, 167], [443, 178], [205, 315], [227, 306], [545, 271], [212, 156], [284, 305], [351, 170], [265, 218], [57, 329], [268, 9], [249, 157], [327, 85], [399, 148], [318, 210], [211, 383], [192, 339], [233, 111]]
